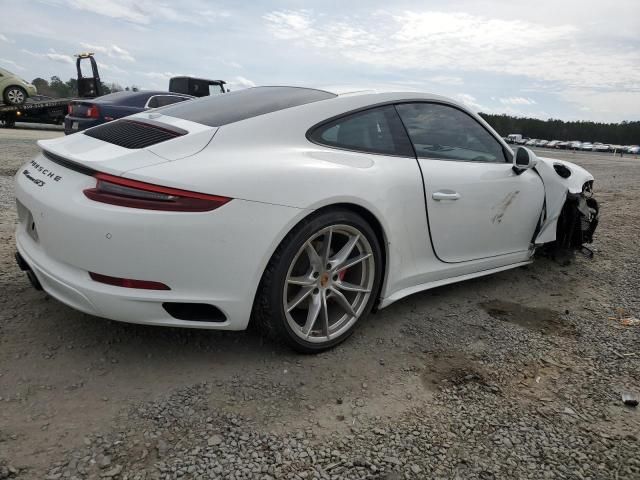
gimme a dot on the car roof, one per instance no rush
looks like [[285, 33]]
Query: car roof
[[373, 96], [347, 91], [254, 102]]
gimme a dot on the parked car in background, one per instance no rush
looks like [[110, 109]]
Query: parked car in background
[[601, 147], [553, 143], [542, 143], [586, 146], [522, 141], [83, 114], [635, 149], [531, 143], [15, 90]]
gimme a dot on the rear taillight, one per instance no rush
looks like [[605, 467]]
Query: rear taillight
[[93, 111], [70, 109], [134, 194]]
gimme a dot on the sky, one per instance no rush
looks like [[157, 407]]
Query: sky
[[566, 59]]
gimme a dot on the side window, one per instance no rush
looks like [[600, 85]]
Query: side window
[[215, 89], [153, 103], [169, 99], [440, 131], [378, 130]]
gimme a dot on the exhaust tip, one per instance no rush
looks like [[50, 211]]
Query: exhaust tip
[[194, 312]]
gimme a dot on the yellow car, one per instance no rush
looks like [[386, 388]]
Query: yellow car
[[14, 89]]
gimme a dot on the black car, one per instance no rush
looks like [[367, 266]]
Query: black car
[[85, 114]]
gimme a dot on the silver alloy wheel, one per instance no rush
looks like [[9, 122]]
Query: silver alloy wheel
[[15, 96], [328, 284]]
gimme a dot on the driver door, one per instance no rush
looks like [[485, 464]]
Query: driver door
[[477, 206]]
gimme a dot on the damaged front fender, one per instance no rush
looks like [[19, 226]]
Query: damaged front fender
[[565, 183]]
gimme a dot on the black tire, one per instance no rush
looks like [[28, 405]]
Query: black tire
[[268, 309], [10, 98]]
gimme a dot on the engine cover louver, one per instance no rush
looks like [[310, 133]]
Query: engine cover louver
[[139, 133]]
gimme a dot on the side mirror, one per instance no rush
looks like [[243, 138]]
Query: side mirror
[[524, 159]]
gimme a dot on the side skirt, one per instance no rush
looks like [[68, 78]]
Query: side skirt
[[385, 302]]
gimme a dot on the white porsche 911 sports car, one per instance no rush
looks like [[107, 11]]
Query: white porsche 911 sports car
[[298, 208]]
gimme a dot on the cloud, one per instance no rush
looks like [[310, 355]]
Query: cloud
[[518, 112], [232, 64], [59, 57], [144, 12], [111, 68], [121, 53], [160, 75], [471, 102], [242, 82], [446, 80], [605, 105], [432, 41], [51, 55], [13, 64], [113, 51], [517, 101], [509, 106], [3, 38], [303, 26], [289, 25], [118, 9]]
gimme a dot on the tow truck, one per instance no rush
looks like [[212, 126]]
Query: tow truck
[[53, 110]]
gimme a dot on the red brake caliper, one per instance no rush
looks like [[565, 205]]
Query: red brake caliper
[[342, 274]]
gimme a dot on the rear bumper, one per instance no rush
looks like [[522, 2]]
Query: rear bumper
[[74, 288], [215, 258]]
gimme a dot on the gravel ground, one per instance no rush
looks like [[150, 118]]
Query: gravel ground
[[516, 375]]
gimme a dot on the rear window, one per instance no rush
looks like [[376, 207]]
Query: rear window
[[235, 106], [164, 100]]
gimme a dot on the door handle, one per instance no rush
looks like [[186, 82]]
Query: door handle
[[446, 195]]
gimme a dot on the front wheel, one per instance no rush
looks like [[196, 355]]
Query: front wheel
[[14, 95], [321, 281]]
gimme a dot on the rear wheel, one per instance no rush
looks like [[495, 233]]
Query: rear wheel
[[321, 281], [14, 95]]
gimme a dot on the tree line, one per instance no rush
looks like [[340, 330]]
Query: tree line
[[624, 133], [58, 89]]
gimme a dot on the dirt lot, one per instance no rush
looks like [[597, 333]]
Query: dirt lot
[[516, 375]]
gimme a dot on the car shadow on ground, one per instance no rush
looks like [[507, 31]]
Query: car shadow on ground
[[57, 326]]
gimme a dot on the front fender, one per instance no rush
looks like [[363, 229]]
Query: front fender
[[556, 189]]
